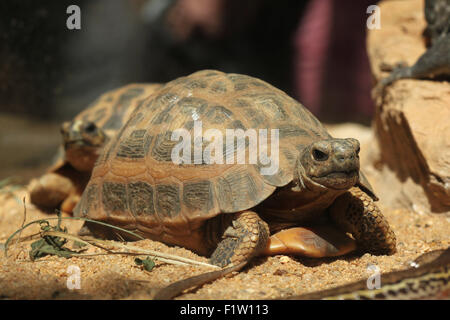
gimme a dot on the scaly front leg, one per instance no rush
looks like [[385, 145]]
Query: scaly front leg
[[355, 212], [245, 237]]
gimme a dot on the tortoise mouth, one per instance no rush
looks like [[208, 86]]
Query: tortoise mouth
[[338, 179]]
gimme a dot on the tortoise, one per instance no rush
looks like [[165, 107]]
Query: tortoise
[[318, 203], [83, 138]]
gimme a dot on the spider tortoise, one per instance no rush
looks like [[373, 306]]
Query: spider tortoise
[[317, 204], [83, 138]]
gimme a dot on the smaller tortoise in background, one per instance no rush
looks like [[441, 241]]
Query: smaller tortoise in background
[[83, 139], [232, 211]]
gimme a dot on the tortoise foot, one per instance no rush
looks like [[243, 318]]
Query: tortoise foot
[[316, 242], [356, 212], [50, 190], [245, 238]]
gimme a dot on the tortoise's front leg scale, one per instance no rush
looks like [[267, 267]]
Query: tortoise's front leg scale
[[355, 212], [246, 237]]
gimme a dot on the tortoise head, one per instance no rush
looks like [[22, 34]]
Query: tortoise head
[[83, 141], [330, 163]]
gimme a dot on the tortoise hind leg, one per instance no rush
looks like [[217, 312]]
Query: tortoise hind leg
[[245, 237], [355, 212]]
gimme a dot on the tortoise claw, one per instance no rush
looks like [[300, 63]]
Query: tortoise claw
[[316, 242]]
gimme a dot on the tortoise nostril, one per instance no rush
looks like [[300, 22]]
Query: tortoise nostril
[[319, 155]]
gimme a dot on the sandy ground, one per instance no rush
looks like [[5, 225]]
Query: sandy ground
[[118, 277]]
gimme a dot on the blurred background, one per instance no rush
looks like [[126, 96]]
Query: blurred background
[[312, 49]]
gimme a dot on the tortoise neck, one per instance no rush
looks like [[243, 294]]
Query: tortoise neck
[[298, 206], [82, 158]]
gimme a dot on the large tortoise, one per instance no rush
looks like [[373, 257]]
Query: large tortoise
[[232, 211], [83, 138]]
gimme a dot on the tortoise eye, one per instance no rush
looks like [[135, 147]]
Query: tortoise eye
[[90, 127], [319, 155]]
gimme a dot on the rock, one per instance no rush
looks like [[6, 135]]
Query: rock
[[285, 259], [413, 130], [412, 124]]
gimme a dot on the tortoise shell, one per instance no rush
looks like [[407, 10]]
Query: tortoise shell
[[136, 184], [111, 110]]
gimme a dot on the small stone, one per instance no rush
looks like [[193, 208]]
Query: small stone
[[284, 259], [366, 256], [307, 277], [279, 272]]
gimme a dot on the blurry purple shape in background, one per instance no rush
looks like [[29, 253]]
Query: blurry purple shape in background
[[332, 72]]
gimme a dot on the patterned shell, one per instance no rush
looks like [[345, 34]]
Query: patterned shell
[[136, 183], [112, 109]]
